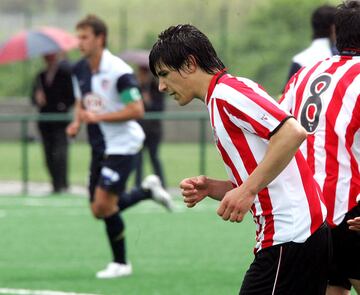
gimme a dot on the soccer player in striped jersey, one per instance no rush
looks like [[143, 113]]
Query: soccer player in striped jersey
[[324, 97], [258, 142]]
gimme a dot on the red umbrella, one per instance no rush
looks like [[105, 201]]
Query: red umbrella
[[32, 43]]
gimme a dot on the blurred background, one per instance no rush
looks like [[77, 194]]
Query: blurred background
[[255, 39]]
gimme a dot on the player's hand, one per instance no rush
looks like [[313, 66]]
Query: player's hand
[[235, 204], [89, 117], [354, 224], [194, 190], [40, 98], [73, 129]]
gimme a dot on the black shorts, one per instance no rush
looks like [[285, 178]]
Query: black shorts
[[346, 259], [291, 268], [110, 173]]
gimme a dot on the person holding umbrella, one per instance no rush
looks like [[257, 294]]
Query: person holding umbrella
[[52, 92]]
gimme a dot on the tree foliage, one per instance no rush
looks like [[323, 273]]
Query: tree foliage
[[273, 33], [256, 38]]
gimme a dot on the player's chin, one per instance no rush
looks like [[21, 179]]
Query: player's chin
[[182, 101]]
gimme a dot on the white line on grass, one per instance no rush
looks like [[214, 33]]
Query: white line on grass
[[37, 292]]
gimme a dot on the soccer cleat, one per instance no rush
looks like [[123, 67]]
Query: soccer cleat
[[115, 270], [158, 193]]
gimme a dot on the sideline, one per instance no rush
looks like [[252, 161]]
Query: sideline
[[8, 291], [43, 189], [12, 187]]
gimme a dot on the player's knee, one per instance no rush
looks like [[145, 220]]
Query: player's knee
[[102, 210]]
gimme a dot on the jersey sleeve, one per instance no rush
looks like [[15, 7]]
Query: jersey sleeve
[[254, 110], [76, 87], [128, 89]]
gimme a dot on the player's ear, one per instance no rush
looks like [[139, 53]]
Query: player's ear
[[190, 64]]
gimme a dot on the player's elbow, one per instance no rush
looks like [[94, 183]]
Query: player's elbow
[[298, 133], [139, 113]]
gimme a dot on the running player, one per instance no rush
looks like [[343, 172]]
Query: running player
[[109, 102], [258, 142]]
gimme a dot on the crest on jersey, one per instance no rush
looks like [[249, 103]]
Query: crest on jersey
[[105, 84], [264, 117]]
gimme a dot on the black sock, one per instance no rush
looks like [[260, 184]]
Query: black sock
[[136, 195], [115, 230]]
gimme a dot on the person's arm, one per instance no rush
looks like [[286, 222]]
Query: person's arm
[[129, 95], [195, 189], [73, 128], [68, 95], [38, 97], [354, 224], [132, 111], [281, 149]]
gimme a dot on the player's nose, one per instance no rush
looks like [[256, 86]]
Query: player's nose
[[162, 85]]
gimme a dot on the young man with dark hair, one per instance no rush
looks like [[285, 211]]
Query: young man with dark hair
[[109, 101], [322, 45], [249, 127], [324, 97]]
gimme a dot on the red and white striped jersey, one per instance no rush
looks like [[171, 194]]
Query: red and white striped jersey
[[325, 99], [243, 118]]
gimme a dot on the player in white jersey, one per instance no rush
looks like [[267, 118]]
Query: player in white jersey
[[109, 102], [324, 97], [258, 142], [322, 45]]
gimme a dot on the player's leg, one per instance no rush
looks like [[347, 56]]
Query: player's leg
[[346, 258], [261, 277], [60, 155], [47, 143], [105, 207], [150, 188], [112, 178]]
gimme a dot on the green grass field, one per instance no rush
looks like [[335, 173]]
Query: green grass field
[[52, 243]]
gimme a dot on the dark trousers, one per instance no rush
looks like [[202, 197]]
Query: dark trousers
[[291, 268], [151, 143], [55, 144]]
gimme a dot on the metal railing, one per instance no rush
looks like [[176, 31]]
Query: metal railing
[[24, 119]]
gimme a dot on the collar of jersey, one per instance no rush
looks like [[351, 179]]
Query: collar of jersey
[[105, 62], [215, 79]]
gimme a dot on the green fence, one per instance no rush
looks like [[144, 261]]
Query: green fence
[[24, 119]]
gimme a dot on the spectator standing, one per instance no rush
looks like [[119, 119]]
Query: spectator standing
[[324, 97], [53, 93], [323, 43], [249, 127], [109, 102], [153, 102]]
